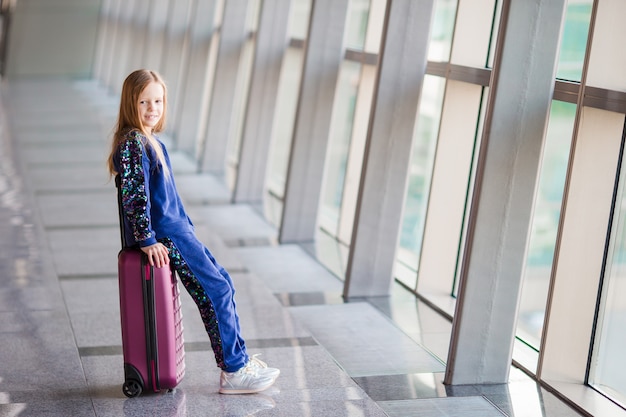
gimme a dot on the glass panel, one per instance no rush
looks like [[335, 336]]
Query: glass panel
[[339, 145], [219, 12], [574, 40], [210, 75], [362, 113], [282, 133], [494, 33], [607, 368], [241, 96], [375, 26], [442, 30], [299, 19], [545, 222], [252, 18], [424, 144], [285, 113], [607, 57], [356, 26], [470, 187], [242, 87], [284, 117], [473, 32]]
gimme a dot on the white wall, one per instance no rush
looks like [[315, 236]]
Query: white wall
[[52, 38]]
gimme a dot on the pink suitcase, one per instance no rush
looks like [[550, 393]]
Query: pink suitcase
[[151, 318], [152, 328]]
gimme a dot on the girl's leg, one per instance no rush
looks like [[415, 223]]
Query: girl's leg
[[228, 279], [213, 294]]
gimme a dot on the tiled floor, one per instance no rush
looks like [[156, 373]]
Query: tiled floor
[[60, 342]]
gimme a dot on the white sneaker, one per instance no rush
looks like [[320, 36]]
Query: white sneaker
[[262, 367], [247, 380]]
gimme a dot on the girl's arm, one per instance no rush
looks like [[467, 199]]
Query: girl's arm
[[136, 200], [135, 191]]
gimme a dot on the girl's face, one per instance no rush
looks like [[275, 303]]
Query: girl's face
[[150, 105]]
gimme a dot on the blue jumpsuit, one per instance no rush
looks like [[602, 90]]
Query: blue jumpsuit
[[153, 212]]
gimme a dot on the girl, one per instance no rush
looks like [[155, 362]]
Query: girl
[[156, 221]]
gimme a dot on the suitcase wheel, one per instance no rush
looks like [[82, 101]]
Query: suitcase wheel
[[132, 388]]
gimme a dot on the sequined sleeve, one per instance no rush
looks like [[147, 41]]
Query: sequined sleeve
[[135, 190]]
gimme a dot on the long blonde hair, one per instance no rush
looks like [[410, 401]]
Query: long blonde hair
[[129, 119]]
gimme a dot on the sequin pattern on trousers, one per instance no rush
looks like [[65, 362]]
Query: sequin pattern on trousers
[[207, 312]]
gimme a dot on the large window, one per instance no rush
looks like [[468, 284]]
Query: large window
[[356, 26], [285, 114], [549, 196], [545, 222], [348, 132], [424, 143], [242, 89], [339, 145], [425, 136], [442, 30], [574, 40], [607, 369], [606, 71], [342, 123]]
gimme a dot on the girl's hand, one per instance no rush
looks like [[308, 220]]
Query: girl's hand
[[157, 254]]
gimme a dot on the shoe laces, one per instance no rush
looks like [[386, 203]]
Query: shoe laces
[[249, 369], [256, 362]]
